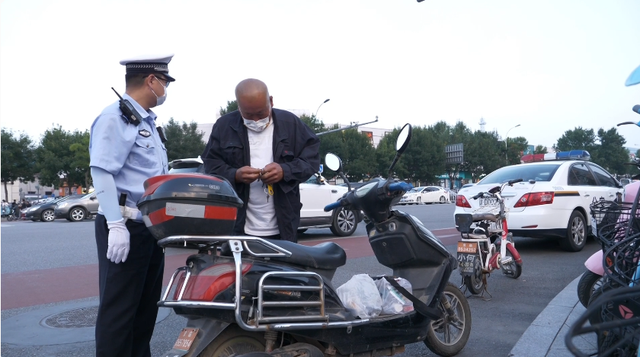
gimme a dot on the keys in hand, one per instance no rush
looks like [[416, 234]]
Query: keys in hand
[[268, 189]]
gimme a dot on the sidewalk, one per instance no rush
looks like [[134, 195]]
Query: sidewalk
[[545, 336]]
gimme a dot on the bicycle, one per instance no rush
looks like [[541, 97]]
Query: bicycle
[[482, 232]]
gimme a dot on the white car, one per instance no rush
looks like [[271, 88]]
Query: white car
[[315, 194], [552, 200], [425, 194]]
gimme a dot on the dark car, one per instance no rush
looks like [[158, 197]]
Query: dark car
[[44, 211]]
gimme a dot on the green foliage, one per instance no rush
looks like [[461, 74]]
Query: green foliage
[[577, 139], [611, 154], [63, 156], [515, 149], [183, 140], [540, 149], [312, 122], [231, 106], [18, 159]]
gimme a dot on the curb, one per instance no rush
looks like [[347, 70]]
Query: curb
[[545, 336]]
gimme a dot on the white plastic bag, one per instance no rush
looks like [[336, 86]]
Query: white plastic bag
[[360, 295], [393, 302]]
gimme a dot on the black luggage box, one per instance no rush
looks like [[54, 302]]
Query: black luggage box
[[189, 204]]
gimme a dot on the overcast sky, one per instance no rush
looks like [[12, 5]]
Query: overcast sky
[[549, 65]]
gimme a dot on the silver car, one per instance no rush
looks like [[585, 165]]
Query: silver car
[[77, 209]]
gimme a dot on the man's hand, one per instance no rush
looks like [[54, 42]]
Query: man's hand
[[272, 173], [118, 246], [247, 174]]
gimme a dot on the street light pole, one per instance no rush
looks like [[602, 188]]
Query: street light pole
[[506, 151], [316, 114]]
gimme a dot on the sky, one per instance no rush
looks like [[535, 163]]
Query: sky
[[548, 65]]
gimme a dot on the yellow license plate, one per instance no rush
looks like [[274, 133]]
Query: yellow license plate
[[186, 338], [464, 247]]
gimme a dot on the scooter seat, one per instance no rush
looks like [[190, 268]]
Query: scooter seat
[[327, 255]]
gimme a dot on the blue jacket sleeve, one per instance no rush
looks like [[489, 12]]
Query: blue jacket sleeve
[[106, 193]]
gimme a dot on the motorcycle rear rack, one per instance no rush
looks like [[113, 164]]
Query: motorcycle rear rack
[[238, 244]]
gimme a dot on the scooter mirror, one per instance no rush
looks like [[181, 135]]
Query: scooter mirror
[[403, 138], [333, 162]]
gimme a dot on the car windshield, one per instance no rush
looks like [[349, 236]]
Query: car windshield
[[525, 172]]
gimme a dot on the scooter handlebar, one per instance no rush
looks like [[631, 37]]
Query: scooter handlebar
[[332, 206]]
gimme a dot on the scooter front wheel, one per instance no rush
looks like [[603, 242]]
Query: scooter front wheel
[[448, 335], [512, 269], [234, 341]]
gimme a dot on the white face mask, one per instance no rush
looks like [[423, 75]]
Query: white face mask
[[257, 125], [160, 100]]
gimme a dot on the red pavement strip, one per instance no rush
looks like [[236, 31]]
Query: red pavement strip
[[37, 287]]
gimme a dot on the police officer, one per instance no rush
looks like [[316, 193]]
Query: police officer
[[126, 149]]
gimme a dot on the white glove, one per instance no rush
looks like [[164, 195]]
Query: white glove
[[118, 247], [130, 213]]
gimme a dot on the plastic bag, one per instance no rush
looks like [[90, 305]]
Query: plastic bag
[[360, 295], [393, 302]]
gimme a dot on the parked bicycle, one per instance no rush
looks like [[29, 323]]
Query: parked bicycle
[[486, 243]]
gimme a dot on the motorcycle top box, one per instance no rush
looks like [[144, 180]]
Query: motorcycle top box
[[189, 204]]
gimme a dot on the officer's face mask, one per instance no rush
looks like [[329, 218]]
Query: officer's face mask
[[161, 99], [257, 125]]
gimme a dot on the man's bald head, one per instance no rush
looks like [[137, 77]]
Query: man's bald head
[[254, 101]]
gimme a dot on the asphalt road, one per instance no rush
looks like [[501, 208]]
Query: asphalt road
[[63, 255]]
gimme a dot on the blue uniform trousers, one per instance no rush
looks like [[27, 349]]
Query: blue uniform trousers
[[129, 293]]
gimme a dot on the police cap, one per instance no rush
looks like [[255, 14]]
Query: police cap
[[149, 65]]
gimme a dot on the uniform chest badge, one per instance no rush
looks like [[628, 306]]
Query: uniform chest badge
[[145, 133]]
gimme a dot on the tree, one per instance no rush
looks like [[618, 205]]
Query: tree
[[611, 154], [231, 106], [80, 159], [18, 159], [577, 139], [515, 149], [183, 140], [59, 159], [312, 122], [540, 149]]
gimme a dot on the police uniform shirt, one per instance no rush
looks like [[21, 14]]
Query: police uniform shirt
[[130, 153]]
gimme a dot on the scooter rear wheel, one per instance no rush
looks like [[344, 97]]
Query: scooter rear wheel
[[448, 335], [234, 341], [475, 281]]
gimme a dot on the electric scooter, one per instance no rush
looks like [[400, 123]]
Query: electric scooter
[[260, 297]]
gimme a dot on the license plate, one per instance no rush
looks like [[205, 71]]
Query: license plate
[[185, 339], [488, 201], [467, 262], [594, 227], [465, 247]]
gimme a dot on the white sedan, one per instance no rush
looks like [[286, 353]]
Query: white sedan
[[425, 194], [552, 200]]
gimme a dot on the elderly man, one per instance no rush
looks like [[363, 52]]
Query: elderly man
[[265, 153]]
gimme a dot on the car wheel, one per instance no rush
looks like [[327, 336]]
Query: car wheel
[[47, 215], [344, 222], [576, 233], [77, 214], [443, 200]]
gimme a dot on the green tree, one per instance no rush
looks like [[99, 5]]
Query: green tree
[[312, 122], [611, 153], [540, 149], [18, 158], [183, 140], [80, 159], [231, 106], [57, 161], [515, 149], [577, 139], [424, 158]]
